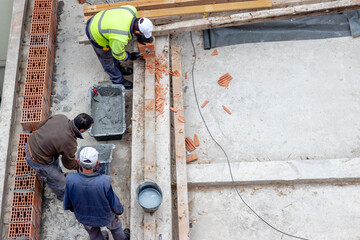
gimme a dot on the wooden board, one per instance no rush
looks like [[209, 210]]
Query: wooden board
[[137, 149], [150, 156], [257, 16], [180, 153], [194, 9], [150, 4]]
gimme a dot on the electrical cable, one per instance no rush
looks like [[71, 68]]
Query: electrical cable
[[223, 150]]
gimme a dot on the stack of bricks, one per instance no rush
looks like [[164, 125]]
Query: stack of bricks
[[26, 198], [40, 61]]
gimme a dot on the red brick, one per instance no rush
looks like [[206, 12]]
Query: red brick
[[21, 155], [37, 89], [44, 16], [36, 102], [38, 64], [38, 77], [25, 215], [23, 138], [23, 169], [30, 118], [22, 230], [42, 40], [39, 52], [29, 183], [26, 199], [46, 5]]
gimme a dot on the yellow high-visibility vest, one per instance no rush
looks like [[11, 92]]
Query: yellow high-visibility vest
[[111, 28]]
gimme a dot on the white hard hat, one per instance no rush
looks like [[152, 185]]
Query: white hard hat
[[146, 27], [88, 157]]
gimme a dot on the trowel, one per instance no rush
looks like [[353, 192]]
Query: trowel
[[148, 51], [97, 96]]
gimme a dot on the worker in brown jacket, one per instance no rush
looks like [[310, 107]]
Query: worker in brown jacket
[[56, 136]]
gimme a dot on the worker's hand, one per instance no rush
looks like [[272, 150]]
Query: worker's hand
[[134, 56], [143, 40]]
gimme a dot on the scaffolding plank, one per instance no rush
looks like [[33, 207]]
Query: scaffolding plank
[[180, 153]]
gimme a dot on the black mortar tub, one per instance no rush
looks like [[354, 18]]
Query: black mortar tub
[[108, 112]]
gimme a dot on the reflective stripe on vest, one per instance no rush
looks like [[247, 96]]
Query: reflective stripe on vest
[[116, 31]]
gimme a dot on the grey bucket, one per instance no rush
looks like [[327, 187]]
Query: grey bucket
[[149, 196], [105, 155]]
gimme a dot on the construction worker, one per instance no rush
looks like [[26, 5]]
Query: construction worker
[[90, 196], [56, 136], [109, 31]]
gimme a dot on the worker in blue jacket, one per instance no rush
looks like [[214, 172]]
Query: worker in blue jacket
[[90, 196]]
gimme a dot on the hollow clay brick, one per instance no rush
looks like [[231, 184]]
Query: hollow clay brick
[[150, 46], [21, 155], [26, 199], [23, 169], [204, 104], [45, 5], [191, 158], [42, 28], [37, 89], [36, 102], [28, 183], [23, 230], [42, 40], [39, 77], [40, 52], [25, 215], [30, 118], [44, 16], [38, 64], [196, 140], [23, 138]]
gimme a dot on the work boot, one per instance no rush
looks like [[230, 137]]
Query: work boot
[[127, 233], [125, 70], [127, 84], [105, 234]]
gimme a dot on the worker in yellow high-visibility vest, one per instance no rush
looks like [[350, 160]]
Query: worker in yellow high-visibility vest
[[109, 31]]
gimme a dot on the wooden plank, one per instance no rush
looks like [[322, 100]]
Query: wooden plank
[[150, 4], [163, 143], [180, 153], [204, 8], [149, 150], [275, 172], [137, 149], [257, 16]]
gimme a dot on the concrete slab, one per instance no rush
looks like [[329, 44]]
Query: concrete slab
[[285, 172], [289, 100]]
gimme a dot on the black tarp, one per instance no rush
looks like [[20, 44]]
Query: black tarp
[[303, 28]]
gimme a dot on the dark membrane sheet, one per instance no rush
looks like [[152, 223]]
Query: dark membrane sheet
[[303, 28]]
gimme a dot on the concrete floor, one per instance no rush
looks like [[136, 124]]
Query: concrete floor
[[290, 100]]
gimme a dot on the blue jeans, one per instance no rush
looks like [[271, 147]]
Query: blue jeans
[[50, 173], [109, 63], [115, 228]]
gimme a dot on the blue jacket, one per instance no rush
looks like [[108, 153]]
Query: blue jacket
[[91, 198]]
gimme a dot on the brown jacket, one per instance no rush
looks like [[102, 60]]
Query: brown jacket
[[55, 136]]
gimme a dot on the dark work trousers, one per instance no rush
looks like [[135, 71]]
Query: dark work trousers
[[50, 173], [110, 64], [115, 228]]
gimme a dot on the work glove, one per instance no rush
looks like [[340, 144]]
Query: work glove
[[134, 56], [143, 40]]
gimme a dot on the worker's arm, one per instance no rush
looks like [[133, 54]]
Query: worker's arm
[[67, 204], [114, 202], [68, 156], [118, 50]]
